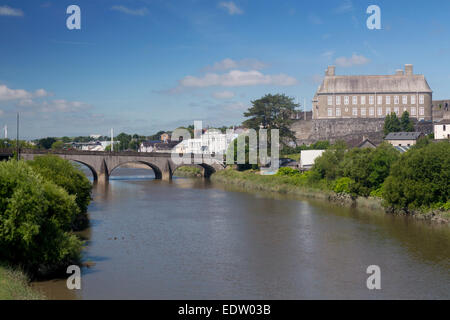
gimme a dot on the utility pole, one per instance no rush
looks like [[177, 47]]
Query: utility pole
[[6, 131], [112, 139], [17, 138]]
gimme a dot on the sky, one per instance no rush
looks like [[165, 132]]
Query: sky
[[140, 66]]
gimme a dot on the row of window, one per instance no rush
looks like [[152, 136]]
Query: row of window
[[379, 100], [362, 111]]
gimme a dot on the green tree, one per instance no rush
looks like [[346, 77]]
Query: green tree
[[406, 123], [272, 112], [46, 143], [57, 145], [420, 178], [35, 220], [66, 175], [391, 124]]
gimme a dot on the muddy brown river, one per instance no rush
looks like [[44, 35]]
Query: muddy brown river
[[193, 239]]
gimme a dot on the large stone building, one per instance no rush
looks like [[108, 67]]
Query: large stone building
[[373, 96]]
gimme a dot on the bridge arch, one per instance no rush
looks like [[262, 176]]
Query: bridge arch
[[155, 168], [93, 171]]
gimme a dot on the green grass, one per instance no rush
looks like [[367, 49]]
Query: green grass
[[188, 172], [14, 285], [251, 180], [293, 156]]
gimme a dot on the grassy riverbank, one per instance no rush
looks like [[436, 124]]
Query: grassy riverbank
[[251, 180], [14, 285], [188, 172]]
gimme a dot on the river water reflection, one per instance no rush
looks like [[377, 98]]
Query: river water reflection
[[192, 239]]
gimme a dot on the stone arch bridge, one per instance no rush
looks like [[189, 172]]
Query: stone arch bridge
[[102, 164]]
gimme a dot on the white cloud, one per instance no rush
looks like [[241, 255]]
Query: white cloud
[[354, 60], [228, 64], [62, 105], [223, 95], [231, 7], [237, 78], [346, 6], [7, 94], [133, 12], [328, 54], [8, 11]]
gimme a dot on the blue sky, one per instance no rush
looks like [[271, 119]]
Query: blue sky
[[148, 65]]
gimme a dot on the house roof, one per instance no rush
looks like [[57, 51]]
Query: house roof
[[403, 136], [402, 149], [443, 121], [374, 83]]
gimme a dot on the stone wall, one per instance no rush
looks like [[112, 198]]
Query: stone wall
[[439, 110], [350, 130]]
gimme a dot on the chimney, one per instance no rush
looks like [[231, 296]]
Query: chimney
[[408, 69], [330, 71], [399, 72]]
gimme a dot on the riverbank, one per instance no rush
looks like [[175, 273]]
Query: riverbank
[[14, 285], [251, 180]]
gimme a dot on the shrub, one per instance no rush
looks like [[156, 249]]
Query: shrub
[[421, 178], [343, 185], [286, 171], [35, 219], [66, 175]]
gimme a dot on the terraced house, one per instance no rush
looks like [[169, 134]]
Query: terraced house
[[373, 96]]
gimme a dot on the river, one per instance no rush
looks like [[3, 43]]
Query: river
[[193, 239]]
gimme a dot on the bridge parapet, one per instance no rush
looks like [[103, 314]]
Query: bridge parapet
[[103, 163]]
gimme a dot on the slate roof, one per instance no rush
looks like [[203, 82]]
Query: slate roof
[[403, 136], [373, 83]]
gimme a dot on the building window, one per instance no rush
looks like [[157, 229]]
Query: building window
[[371, 101], [363, 99], [413, 111], [379, 99], [330, 112], [355, 99], [371, 111], [413, 99], [363, 112], [397, 111], [421, 111], [346, 100], [388, 111], [443, 128], [338, 100], [405, 99], [396, 100], [338, 112], [380, 111], [355, 112], [346, 109], [388, 100], [421, 99], [330, 100]]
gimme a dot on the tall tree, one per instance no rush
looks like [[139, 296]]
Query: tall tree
[[272, 112], [391, 124], [406, 123]]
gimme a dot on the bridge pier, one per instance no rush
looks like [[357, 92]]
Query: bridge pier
[[102, 178], [166, 175]]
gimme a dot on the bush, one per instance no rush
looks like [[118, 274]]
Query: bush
[[35, 219], [66, 175], [286, 171], [420, 179], [343, 185]]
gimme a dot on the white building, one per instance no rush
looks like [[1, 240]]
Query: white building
[[211, 142], [307, 158], [442, 130]]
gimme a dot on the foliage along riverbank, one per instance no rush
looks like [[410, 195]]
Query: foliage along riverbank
[[14, 285], [42, 203], [415, 183]]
